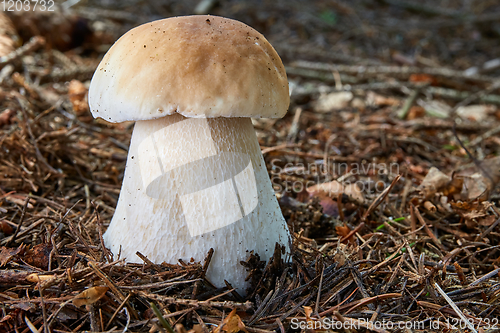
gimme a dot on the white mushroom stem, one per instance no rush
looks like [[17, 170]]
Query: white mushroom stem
[[192, 184]]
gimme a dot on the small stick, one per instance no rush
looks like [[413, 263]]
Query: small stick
[[487, 231], [106, 280], [392, 70], [280, 325], [454, 307], [413, 224], [221, 304], [233, 291], [476, 162], [44, 311], [316, 308], [352, 232], [200, 322], [294, 128], [112, 286], [93, 320], [21, 220], [204, 269], [460, 273], [426, 228], [31, 45], [37, 150], [484, 136], [340, 207], [147, 261], [472, 97], [408, 104], [485, 277], [380, 198], [118, 309]]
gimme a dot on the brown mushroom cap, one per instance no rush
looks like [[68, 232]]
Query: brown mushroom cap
[[198, 66]]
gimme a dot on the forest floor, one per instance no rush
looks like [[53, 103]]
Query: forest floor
[[386, 169]]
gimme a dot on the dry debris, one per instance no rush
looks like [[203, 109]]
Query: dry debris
[[386, 170]]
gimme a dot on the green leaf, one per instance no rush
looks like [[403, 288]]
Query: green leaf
[[329, 17], [450, 147]]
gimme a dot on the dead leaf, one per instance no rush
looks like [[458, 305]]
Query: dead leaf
[[9, 39], [8, 253], [487, 221], [474, 112], [340, 258], [330, 207], [78, 97], [476, 187], [435, 108], [492, 167], [6, 228], [333, 101], [423, 78], [358, 103], [7, 45], [454, 187], [474, 214], [342, 231], [231, 324], [25, 306], [179, 328], [6, 116], [379, 100], [479, 182], [334, 188], [434, 181], [197, 328], [90, 296], [400, 58], [415, 112], [308, 311]]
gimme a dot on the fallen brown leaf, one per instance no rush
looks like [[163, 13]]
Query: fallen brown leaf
[[8, 253], [333, 101], [330, 207], [415, 112], [334, 188], [231, 324], [90, 296], [423, 78], [476, 187], [77, 93], [379, 100], [343, 231], [308, 311], [434, 181], [487, 221], [6, 228], [6, 116]]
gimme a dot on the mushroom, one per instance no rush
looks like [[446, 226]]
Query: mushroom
[[195, 178]]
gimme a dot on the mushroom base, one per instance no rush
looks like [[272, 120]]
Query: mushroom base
[[192, 184]]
